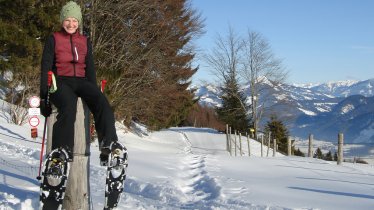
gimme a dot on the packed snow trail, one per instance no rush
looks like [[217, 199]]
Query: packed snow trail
[[194, 180]]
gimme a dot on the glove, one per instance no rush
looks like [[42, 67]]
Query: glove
[[45, 108]]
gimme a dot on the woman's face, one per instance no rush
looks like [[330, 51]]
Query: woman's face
[[70, 25]]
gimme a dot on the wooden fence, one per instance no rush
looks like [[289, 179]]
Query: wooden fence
[[238, 144], [234, 144]]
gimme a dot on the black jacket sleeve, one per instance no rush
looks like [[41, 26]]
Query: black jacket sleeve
[[90, 66], [46, 65]]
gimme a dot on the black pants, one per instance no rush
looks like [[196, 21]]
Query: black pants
[[65, 99]]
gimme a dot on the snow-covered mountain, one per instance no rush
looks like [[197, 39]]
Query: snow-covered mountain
[[344, 88], [310, 108], [209, 95], [354, 116]]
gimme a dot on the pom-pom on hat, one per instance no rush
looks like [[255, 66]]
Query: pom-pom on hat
[[71, 9]]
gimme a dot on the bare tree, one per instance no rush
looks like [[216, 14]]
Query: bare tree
[[260, 67], [225, 57], [225, 60], [21, 86], [250, 57]]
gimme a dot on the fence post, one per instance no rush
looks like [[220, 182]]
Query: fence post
[[249, 147], [235, 142], [310, 151], [262, 145], [267, 153], [230, 141], [340, 148], [240, 144], [274, 147], [227, 137], [77, 189], [289, 146]]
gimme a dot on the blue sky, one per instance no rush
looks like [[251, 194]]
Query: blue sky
[[318, 40]]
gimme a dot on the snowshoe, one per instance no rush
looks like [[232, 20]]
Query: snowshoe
[[53, 183], [116, 175]]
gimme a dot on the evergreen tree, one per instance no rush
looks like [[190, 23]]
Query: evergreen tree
[[298, 152], [359, 160], [143, 48], [278, 131], [318, 154], [233, 110], [24, 25], [328, 156], [144, 51], [224, 59]]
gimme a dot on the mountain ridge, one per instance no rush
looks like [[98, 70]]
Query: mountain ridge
[[313, 107]]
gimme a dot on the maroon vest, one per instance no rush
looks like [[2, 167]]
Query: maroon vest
[[70, 53]]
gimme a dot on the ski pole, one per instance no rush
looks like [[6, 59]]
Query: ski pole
[[45, 125]]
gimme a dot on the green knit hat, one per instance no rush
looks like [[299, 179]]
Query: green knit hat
[[71, 9]]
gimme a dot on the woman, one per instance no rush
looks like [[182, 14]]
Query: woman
[[68, 54]]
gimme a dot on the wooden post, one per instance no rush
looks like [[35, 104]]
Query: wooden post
[[240, 144], [289, 146], [340, 148], [274, 147], [77, 193], [262, 143], [235, 142], [227, 137], [310, 148], [249, 147], [267, 154], [230, 141]]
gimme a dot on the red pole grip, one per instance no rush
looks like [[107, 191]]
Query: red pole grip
[[103, 83], [50, 73]]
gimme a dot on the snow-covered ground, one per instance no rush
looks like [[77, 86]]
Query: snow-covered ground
[[188, 168]]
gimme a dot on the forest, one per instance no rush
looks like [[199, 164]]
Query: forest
[[142, 48]]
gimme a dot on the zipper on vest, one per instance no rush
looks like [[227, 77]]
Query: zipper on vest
[[72, 52]]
